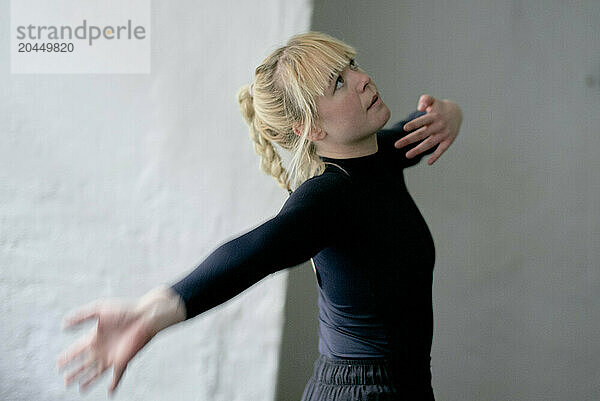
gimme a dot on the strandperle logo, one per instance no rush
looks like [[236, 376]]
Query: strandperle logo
[[80, 37], [83, 32]]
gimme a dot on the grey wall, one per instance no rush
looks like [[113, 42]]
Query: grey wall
[[514, 204], [299, 339], [113, 184]]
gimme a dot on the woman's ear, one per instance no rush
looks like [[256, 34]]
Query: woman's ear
[[298, 127], [315, 134]]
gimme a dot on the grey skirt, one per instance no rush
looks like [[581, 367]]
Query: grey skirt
[[367, 380]]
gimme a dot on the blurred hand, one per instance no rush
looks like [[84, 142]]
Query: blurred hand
[[121, 331], [440, 126]]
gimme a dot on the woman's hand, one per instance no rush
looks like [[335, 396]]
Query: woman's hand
[[120, 333], [440, 126]]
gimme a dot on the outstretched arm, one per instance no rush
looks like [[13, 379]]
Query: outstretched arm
[[312, 217]]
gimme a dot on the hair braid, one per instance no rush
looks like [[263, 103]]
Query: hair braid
[[270, 161]]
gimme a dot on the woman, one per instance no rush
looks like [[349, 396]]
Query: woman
[[348, 210]]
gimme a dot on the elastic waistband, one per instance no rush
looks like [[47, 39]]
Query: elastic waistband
[[368, 371]]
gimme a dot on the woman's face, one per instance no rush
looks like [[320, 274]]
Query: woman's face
[[347, 114]]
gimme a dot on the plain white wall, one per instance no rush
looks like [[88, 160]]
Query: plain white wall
[[514, 204], [113, 184]]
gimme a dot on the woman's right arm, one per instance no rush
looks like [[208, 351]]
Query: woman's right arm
[[312, 217], [160, 308]]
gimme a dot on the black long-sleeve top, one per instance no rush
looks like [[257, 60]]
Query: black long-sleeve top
[[371, 247]]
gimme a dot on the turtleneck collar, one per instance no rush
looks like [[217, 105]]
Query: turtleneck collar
[[356, 164], [348, 158]]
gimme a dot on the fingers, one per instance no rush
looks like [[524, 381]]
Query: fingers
[[99, 369], [421, 133], [117, 374], [425, 101], [74, 351], [426, 144], [428, 118], [75, 373], [87, 312], [438, 152], [408, 139]]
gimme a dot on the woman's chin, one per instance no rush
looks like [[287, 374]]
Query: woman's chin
[[383, 114]]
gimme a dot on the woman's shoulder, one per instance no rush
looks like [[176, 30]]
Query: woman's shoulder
[[330, 186], [332, 179]]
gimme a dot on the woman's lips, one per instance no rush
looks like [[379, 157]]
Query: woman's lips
[[376, 100]]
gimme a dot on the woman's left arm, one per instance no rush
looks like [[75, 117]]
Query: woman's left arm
[[440, 125]]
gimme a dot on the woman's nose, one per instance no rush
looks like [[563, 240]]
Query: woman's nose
[[363, 81]]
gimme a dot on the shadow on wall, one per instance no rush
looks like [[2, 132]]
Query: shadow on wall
[[299, 342]]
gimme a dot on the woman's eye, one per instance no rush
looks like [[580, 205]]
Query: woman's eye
[[338, 80], [353, 66]]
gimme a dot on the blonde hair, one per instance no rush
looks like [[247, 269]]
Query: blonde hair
[[284, 92]]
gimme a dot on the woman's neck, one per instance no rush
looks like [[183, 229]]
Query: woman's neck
[[366, 147]]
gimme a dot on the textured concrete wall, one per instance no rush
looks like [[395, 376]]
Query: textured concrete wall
[[112, 184], [514, 204]]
